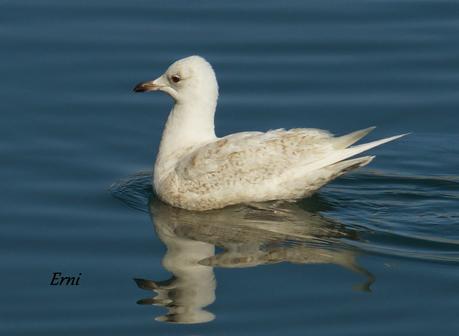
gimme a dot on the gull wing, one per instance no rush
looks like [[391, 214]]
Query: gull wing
[[254, 157], [257, 167]]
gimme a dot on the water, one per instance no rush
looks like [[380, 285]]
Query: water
[[374, 253]]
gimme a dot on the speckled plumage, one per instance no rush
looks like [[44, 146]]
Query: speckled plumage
[[195, 170]]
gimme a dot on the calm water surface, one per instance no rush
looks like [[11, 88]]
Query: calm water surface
[[374, 253]]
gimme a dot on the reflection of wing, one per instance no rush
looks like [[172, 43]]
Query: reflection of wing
[[261, 234], [249, 236], [264, 233], [261, 225]]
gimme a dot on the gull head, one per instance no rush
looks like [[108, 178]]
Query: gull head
[[188, 79]]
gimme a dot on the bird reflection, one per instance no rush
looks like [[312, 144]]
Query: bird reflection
[[247, 235]]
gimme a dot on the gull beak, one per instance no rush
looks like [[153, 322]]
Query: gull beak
[[148, 86]]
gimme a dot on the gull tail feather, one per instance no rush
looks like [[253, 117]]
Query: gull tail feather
[[351, 138], [341, 155], [347, 165]]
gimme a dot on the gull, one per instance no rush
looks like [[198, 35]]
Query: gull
[[196, 170]]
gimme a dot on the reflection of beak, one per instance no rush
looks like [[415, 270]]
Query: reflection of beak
[[147, 86]]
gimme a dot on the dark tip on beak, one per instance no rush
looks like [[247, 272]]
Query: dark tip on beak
[[147, 86], [141, 87]]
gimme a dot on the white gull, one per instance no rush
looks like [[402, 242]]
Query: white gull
[[196, 170]]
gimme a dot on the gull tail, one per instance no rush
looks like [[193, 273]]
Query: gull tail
[[345, 166], [351, 138], [342, 154]]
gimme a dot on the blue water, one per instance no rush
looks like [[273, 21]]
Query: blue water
[[374, 253]]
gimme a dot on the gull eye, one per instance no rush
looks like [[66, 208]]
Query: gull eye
[[175, 78]]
